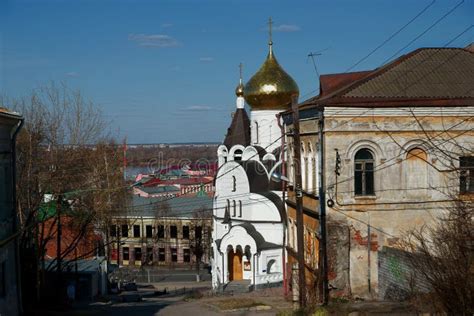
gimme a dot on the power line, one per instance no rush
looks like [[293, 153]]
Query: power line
[[426, 30], [391, 36]]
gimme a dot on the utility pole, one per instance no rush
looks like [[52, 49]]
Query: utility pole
[[299, 203], [323, 262]]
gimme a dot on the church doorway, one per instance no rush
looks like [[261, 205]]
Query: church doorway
[[235, 265]]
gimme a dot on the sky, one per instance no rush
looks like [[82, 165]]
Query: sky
[[166, 71]]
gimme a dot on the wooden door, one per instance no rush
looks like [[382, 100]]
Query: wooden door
[[237, 266]]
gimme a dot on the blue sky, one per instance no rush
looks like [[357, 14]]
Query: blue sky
[[165, 71]]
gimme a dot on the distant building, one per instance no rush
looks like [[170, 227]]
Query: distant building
[[10, 294], [162, 232]]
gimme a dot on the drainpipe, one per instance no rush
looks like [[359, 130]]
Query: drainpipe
[[254, 268], [17, 245], [283, 188], [223, 267]]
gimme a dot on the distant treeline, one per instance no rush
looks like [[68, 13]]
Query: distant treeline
[[166, 155]]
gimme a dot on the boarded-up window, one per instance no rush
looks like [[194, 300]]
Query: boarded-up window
[[416, 172]]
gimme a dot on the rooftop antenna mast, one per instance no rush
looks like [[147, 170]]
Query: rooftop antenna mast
[[241, 66], [312, 55]]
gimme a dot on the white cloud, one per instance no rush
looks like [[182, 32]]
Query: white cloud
[[153, 40], [72, 74], [206, 59], [198, 108]]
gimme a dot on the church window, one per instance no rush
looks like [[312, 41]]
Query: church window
[[234, 184], [235, 209], [240, 208], [364, 173], [466, 165], [238, 155], [256, 132]]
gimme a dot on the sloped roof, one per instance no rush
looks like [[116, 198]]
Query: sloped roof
[[256, 174], [260, 241], [424, 77], [239, 131]]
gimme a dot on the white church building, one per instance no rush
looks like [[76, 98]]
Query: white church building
[[249, 218]]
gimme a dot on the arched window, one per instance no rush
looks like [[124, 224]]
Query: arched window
[[234, 184], [240, 208], [235, 209], [256, 132], [364, 173], [416, 172], [238, 155]]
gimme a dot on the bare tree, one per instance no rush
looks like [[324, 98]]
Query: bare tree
[[69, 177]]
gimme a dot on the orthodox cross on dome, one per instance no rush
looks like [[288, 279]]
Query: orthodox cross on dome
[[241, 66], [270, 22]]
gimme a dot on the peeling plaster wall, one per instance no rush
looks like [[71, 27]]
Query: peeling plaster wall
[[390, 134]]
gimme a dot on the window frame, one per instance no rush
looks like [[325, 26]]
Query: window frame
[[149, 231], [364, 171], [173, 231], [136, 231], [124, 230], [466, 175], [160, 232], [137, 255], [186, 232], [126, 254]]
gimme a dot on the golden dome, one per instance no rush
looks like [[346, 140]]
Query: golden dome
[[239, 91], [271, 88]]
